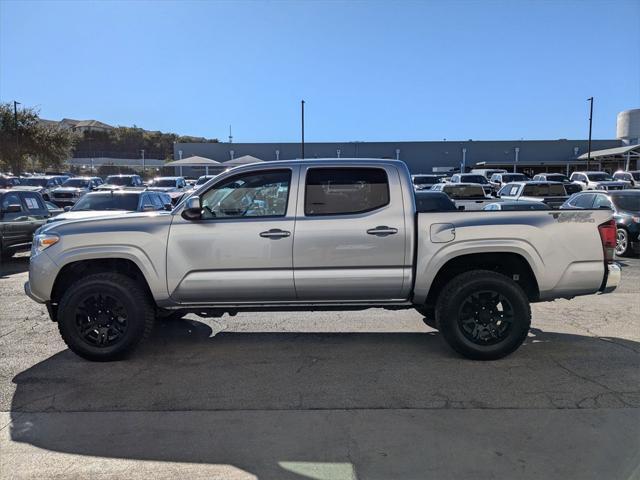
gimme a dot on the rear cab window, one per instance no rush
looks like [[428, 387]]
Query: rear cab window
[[345, 190]]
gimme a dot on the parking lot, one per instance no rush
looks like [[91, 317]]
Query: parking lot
[[330, 395]]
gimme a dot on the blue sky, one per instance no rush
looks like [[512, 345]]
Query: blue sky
[[367, 70]]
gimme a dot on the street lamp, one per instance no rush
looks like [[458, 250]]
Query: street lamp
[[15, 120], [590, 100]]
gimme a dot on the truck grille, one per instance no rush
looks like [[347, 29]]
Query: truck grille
[[63, 195]]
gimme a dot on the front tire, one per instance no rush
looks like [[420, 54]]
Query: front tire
[[483, 315], [104, 316]]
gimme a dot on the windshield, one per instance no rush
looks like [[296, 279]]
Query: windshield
[[164, 182], [116, 180], [629, 201], [464, 191], [474, 179], [514, 177], [426, 180], [34, 182], [544, 190], [107, 201], [202, 180], [76, 183], [558, 178], [635, 175], [599, 177]]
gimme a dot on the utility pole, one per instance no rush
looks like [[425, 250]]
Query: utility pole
[[302, 105], [142, 151], [590, 100], [15, 124]]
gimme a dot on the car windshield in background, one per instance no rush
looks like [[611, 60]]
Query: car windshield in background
[[629, 202], [558, 178], [636, 175], [600, 177], [544, 190], [164, 182], [34, 182], [203, 180], [76, 183], [514, 177], [115, 180], [107, 201], [524, 206], [475, 179], [426, 180], [464, 191]]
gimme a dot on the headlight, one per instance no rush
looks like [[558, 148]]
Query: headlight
[[43, 241]]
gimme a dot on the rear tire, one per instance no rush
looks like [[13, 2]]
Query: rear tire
[[104, 316], [622, 242], [483, 315]]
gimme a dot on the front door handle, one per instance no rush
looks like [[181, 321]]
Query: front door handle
[[275, 233], [382, 231]]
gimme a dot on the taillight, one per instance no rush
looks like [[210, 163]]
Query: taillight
[[608, 237]]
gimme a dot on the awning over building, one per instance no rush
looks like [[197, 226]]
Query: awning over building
[[626, 154], [194, 161], [244, 160]]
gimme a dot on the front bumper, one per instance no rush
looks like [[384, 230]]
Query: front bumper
[[612, 278], [30, 294]]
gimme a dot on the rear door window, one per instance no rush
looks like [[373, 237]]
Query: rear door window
[[343, 191]]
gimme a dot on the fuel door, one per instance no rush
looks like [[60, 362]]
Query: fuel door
[[442, 232]]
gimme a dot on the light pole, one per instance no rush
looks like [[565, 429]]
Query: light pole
[[590, 100], [515, 164], [142, 152], [302, 113]]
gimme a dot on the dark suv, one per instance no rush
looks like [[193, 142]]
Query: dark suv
[[21, 214], [626, 212]]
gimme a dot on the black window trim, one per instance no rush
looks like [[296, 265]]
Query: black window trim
[[242, 174], [350, 167]]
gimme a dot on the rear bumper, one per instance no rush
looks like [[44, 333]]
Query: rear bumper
[[612, 278]]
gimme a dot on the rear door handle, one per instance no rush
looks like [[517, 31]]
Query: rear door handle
[[382, 231], [275, 233]]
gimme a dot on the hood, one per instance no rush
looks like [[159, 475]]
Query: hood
[[78, 215], [69, 189], [29, 188], [609, 183], [110, 187], [161, 189], [96, 220]]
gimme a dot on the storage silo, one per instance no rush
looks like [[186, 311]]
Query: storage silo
[[628, 126]]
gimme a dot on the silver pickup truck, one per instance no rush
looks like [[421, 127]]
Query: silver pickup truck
[[316, 235]]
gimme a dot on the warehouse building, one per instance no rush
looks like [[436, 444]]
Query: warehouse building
[[528, 156]]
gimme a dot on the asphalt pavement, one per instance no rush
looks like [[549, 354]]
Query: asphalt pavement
[[327, 395]]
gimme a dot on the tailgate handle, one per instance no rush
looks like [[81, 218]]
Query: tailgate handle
[[382, 231], [275, 233]]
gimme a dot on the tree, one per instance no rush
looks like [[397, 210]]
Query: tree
[[48, 145]]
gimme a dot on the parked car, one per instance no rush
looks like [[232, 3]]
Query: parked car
[[597, 181], [569, 186], [633, 177], [626, 212], [72, 189], [497, 180], [172, 186], [203, 179], [359, 243], [21, 214], [114, 202], [53, 209], [432, 201], [8, 181], [516, 206], [116, 182], [488, 172], [469, 196], [473, 178], [40, 184], [424, 181], [552, 194]]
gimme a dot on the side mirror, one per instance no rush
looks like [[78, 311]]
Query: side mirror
[[66, 209], [13, 208], [192, 209]]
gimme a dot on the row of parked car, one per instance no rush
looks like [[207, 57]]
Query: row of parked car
[[26, 203], [503, 191]]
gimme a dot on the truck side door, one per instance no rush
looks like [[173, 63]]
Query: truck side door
[[241, 250], [350, 234]]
